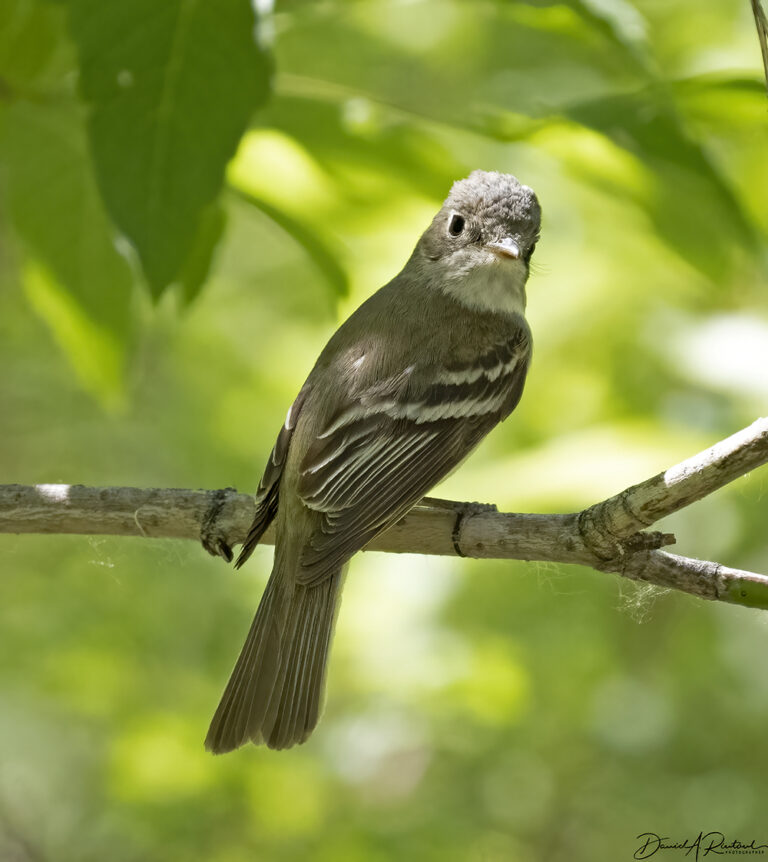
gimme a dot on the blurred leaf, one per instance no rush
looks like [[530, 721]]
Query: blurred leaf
[[312, 243], [709, 95], [56, 210], [96, 355], [30, 36], [297, 194], [620, 21], [529, 59], [171, 87], [198, 263], [692, 204], [357, 131], [730, 114]]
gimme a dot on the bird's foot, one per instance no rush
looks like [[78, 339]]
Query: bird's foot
[[212, 538], [463, 511]]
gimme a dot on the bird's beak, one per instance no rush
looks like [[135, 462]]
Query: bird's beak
[[505, 248]]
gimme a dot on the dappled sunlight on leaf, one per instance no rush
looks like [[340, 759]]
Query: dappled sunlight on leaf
[[293, 179], [54, 202], [598, 160], [95, 353]]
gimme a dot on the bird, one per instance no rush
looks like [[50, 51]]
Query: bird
[[402, 393]]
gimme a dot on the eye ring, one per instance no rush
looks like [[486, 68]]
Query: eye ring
[[456, 224]]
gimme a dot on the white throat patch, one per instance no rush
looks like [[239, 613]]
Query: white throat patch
[[497, 287]]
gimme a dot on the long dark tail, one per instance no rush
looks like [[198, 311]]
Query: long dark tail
[[276, 688]]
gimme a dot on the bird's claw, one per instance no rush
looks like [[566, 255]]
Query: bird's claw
[[211, 536]]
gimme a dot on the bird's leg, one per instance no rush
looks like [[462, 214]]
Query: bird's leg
[[213, 540], [462, 510]]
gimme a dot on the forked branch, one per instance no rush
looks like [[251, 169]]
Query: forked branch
[[609, 536]]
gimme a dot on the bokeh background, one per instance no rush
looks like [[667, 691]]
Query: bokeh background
[[186, 216]]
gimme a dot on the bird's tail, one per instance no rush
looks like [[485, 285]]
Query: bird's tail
[[276, 687]]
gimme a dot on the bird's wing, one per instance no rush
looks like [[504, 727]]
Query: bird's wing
[[267, 494], [385, 450]]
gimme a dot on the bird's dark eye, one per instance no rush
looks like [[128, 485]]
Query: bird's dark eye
[[529, 254], [456, 224]]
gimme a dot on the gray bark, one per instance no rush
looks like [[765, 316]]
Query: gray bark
[[609, 536]]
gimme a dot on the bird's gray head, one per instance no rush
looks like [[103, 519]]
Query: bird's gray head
[[479, 246]]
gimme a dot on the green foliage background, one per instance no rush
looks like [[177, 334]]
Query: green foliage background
[[186, 215]]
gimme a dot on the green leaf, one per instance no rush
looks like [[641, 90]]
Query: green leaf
[[362, 133], [694, 206], [94, 353], [56, 209], [316, 248], [620, 21], [729, 113], [198, 264], [534, 59], [171, 87], [30, 31]]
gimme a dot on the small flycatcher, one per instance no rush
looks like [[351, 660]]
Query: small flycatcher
[[405, 389]]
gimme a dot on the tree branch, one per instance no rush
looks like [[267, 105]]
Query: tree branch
[[761, 22], [607, 536]]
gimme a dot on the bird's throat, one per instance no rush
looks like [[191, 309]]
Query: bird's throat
[[497, 287]]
